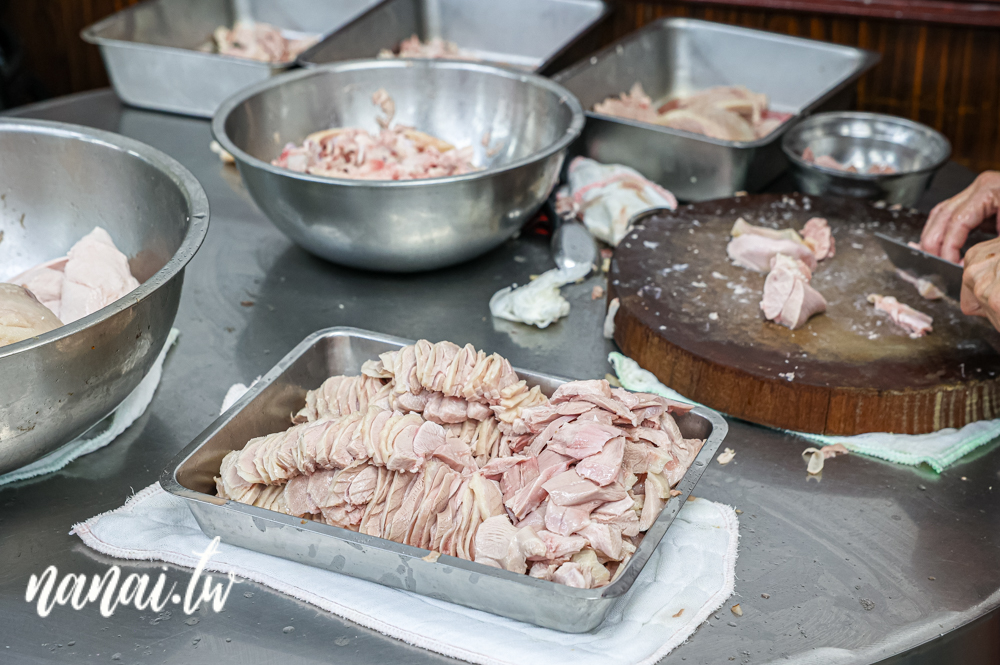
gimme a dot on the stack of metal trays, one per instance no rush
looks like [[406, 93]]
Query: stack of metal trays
[[266, 408], [153, 51], [676, 57], [530, 34]]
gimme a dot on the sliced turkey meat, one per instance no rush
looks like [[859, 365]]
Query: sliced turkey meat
[[560, 486]]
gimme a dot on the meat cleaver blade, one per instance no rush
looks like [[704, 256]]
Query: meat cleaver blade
[[923, 264]]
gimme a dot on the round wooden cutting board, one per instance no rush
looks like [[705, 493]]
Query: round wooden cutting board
[[693, 319]]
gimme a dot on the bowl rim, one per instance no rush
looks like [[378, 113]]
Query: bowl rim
[[231, 103], [187, 184], [863, 115]]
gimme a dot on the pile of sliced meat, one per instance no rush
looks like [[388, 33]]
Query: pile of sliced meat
[[92, 275], [258, 41], [445, 448], [436, 48], [831, 163], [396, 153], [730, 113], [788, 258]]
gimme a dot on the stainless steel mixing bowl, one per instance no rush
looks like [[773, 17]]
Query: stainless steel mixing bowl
[[57, 182], [526, 122], [861, 140]]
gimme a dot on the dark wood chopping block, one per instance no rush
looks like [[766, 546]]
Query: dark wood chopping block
[[693, 319]]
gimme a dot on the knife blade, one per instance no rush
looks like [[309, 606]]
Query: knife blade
[[923, 264]]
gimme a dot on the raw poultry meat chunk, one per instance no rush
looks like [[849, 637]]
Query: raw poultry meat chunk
[[729, 113], [258, 41], [788, 297], [756, 252], [396, 153], [435, 48], [817, 235], [925, 287], [22, 316], [916, 323], [92, 275], [831, 163], [558, 487]]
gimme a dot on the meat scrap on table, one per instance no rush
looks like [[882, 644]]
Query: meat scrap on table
[[730, 113], [92, 275], [445, 448], [914, 322], [789, 259], [831, 163], [396, 153], [258, 41]]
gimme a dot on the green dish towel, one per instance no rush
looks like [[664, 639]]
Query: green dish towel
[[939, 450]]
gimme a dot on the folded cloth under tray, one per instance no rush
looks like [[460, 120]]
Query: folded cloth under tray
[[103, 432], [688, 577], [939, 450]]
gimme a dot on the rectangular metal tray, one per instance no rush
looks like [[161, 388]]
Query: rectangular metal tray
[[266, 408], [677, 56], [150, 49], [530, 34]]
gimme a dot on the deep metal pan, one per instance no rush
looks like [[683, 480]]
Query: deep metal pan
[[151, 49], [530, 34], [266, 408], [678, 56]]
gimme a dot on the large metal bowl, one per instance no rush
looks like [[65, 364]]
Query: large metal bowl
[[410, 225], [861, 140], [57, 182]]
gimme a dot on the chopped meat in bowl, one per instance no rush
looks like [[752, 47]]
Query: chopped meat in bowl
[[395, 153]]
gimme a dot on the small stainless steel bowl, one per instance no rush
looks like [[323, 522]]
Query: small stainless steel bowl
[[59, 181], [519, 125], [861, 140]]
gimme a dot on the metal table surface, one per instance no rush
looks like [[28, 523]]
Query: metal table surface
[[873, 562]]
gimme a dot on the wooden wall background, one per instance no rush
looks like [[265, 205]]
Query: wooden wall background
[[941, 73]]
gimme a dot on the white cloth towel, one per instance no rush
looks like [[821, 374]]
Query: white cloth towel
[[103, 432], [939, 450], [689, 576]]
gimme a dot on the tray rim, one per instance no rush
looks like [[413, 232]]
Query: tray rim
[[868, 60], [91, 35], [620, 586], [302, 61]]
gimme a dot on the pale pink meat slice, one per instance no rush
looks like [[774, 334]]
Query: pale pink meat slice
[[632, 105], [605, 467], [788, 297], [582, 439], [45, 282], [817, 234], [96, 275], [755, 252], [569, 489], [916, 323]]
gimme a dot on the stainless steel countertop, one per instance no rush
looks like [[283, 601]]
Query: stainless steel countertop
[[847, 559]]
